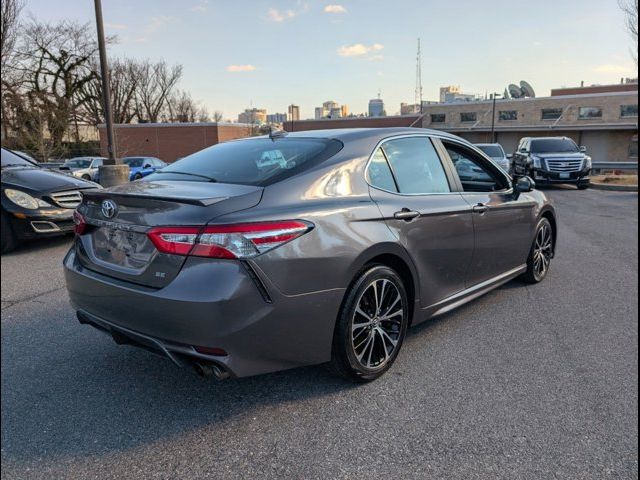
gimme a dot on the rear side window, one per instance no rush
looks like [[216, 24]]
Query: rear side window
[[414, 166], [259, 162]]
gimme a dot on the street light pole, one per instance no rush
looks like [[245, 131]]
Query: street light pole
[[111, 173], [493, 118]]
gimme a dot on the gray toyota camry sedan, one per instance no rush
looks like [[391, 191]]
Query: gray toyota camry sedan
[[273, 252]]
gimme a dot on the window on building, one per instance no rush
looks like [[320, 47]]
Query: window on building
[[438, 117], [586, 113], [551, 113], [415, 165], [629, 110], [633, 148], [468, 116], [506, 115]]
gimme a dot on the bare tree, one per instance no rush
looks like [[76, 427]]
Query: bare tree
[[630, 9], [156, 83], [124, 80], [55, 61], [181, 107], [9, 22], [217, 116]]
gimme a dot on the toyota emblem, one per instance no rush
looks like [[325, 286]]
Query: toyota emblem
[[109, 208]]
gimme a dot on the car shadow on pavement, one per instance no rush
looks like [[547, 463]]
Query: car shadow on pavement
[[87, 396]]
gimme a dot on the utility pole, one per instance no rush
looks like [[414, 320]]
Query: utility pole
[[111, 173]]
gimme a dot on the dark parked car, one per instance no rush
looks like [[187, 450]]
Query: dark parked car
[[240, 266], [36, 202], [553, 160]]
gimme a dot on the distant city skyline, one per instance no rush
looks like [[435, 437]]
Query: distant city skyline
[[296, 52]]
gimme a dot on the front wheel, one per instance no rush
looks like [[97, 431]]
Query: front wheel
[[137, 176], [86, 177], [371, 325], [541, 253], [6, 235]]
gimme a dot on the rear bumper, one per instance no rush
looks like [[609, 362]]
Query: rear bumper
[[211, 303]]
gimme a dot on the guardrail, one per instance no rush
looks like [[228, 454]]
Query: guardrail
[[614, 166]]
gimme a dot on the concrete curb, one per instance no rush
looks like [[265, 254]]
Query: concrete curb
[[614, 188]]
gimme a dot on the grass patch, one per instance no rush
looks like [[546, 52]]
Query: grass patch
[[616, 179]]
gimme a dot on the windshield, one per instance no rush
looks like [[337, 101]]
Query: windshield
[[259, 162], [11, 159], [553, 145], [78, 163], [494, 151], [133, 161]]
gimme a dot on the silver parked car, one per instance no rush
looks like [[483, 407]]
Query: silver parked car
[[84, 167], [240, 266], [497, 154]]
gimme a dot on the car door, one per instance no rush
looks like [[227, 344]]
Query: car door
[[414, 193], [503, 221]]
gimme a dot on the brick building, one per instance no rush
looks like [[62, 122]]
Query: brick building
[[170, 141]]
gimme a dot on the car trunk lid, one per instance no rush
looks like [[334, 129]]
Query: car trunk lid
[[116, 243]]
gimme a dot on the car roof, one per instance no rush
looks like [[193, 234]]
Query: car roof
[[486, 144], [363, 133]]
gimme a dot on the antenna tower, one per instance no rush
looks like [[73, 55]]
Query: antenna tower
[[418, 94]]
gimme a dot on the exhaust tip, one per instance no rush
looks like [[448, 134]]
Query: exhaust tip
[[208, 370]]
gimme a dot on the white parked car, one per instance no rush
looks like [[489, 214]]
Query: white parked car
[[496, 153], [84, 167]]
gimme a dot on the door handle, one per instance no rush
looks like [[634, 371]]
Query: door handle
[[406, 214], [480, 208]]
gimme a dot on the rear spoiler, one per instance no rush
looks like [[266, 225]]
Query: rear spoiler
[[99, 195]]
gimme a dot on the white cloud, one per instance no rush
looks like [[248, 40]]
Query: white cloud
[[115, 26], [278, 16], [335, 9], [200, 7], [156, 23], [240, 68], [613, 68], [359, 50]]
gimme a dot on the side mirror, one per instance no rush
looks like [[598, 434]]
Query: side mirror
[[524, 184], [583, 149]]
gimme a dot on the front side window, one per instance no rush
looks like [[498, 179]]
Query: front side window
[[468, 117], [96, 163], [78, 163], [414, 164], [438, 117], [586, 113], [505, 115], [551, 113], [629, 110], [476, 175]]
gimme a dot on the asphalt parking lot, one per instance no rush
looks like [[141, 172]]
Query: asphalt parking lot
[[526, 382]]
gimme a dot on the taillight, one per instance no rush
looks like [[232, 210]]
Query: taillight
[[80, 225], [242, 240]]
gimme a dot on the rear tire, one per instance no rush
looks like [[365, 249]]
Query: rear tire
[[137, 176], [7, 237], [86, 177], [371, 325], [541, 253], [583, 186]]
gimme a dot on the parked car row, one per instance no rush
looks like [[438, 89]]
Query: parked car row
[[88, 168], [547, 160]]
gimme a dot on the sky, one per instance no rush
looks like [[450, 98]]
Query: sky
[[271, 53]]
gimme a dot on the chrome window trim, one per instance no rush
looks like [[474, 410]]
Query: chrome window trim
[[396, 137], [447, 138]]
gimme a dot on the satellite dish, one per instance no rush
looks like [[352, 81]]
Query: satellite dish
[[505, 94], [527, 89], [515, 91]]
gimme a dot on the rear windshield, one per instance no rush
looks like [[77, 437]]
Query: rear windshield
[[494, 151], [258, 162], [553, 145], [133, 161], [78, 163]]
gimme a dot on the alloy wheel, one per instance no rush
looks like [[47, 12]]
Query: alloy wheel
[[542, 251], [377, 324]]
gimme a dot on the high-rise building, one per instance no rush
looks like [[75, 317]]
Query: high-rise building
[[345, 110], [452, 93], [277, 118], [331, 109], [376, 107], [319, 113], [294, 112], [253, 116]]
